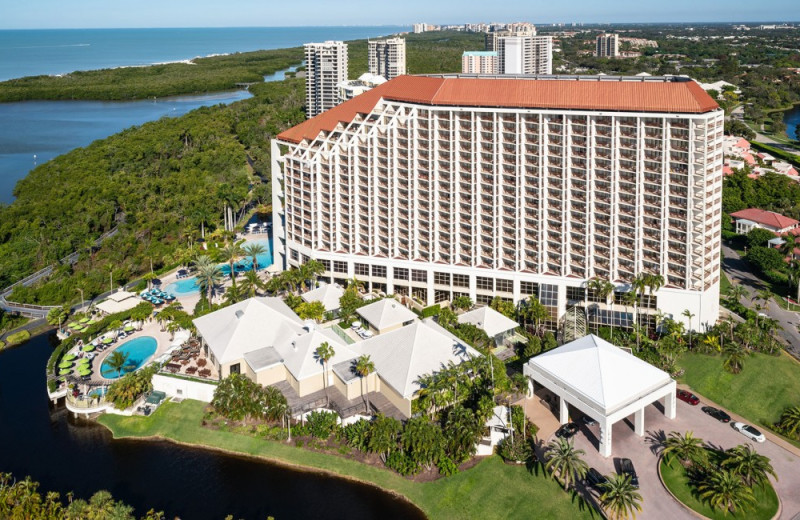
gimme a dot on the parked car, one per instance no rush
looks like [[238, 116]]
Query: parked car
[[626, 467], [748, 431], [567, 430], [588, 421], [717, 414], [686, 396], [595, 479]]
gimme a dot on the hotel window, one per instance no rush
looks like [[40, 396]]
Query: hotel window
[[361, 269], [418, 275], [339, 267], [326, 264], [305, 259], [576, 294], [400, 273], [483, 299], [485, 284], [294, 255], [548, 294], [460, 280], [236, 369], [504, 285], [529, 288], [441, 278], [379, 271]]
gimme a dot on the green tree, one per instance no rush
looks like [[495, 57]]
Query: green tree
[[461, 430], [251, 284], [311, 311], [363, 366], [253, 249], [790, 421], [230, 253], [462, 303], [564, 462], [383, 435], [323, 354], [422, 441], [746, 462], [735, 356], [504, 307], [349, 302], [687, 448], [57, 315], [116, 361], [758, 237], [725, 490], [207, 278], [619, 498]]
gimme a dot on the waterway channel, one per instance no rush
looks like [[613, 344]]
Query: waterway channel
[[66, 454]]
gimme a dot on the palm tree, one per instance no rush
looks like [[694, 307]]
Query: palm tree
[[253, 249], [790, 421], [207, 278], [57, 315], [788, 246], [725, 490], [736, 292], [314, 268], [750, 465], [619, 498], [359, 285], [230, 253], [116, 361], [689, 315], [324, 353], [734, 358], [251, 284], [565, 462], [603, 289], [364, 366], [687, 448], [631, 298]]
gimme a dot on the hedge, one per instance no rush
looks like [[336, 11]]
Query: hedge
[[777, 152], [433, 310], [18, 337]]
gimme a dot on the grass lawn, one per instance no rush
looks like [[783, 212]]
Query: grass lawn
[[760, 393], [492, 489], [724, 284], [678, 483]]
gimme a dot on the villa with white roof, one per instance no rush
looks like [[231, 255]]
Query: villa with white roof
[[263, 339]]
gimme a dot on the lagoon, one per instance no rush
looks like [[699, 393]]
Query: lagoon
[[66, 454]]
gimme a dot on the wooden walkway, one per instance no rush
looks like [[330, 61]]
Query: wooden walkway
[[338, 402]]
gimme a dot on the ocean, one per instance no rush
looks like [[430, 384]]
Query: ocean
[[59, 51], [33, 132]]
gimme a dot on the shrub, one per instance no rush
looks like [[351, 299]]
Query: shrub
[[18, 337], [515, 449], [125, 391], [433, 310], [402, 464], [322, 424], [357, 434], [447, 467]]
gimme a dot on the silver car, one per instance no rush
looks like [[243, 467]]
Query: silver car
[[748, 431]]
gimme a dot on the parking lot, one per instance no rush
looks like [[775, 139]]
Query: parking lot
[[643, 451]]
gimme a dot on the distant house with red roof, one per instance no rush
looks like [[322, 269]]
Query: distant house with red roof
[[751, 218]]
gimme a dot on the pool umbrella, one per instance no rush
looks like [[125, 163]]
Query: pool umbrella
[[84, 320], [155, 281], [88, 348], [65, 371], [72, 325], [85, 372], [65, 364], [83, 361], [106, 341], [82, 329], [69, 357], [128, 328]]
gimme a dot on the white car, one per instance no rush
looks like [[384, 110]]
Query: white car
[[748, 431]]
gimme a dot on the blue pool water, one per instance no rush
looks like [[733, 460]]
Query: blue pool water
[[189, 285], [98, 392], [139, 350]]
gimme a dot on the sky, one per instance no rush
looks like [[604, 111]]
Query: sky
[[48, 14]]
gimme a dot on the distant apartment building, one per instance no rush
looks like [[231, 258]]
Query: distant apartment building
[[524, 54], [326, 68], [437, 187], [421, 28], [479, 62], [607, 46], [355, 87], [387, 58]]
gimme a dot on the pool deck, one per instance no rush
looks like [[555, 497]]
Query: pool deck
[[150, 328]]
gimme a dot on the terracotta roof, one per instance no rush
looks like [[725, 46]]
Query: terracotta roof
[[629, 96], [767, 218]]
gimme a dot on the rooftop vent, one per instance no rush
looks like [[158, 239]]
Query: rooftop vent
[[239, 314], [294, 346]]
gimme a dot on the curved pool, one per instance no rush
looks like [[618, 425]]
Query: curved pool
[[139, 351], [183, 287]]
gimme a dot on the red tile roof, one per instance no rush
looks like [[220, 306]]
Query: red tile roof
[[630, 96], [766, 218]]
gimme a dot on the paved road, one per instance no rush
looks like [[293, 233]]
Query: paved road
[[644, 452], [30, 326], [738, 271]]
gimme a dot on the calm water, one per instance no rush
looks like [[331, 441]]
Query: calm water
[[34, 132], [65, 454], [792, 120], [59, 51]]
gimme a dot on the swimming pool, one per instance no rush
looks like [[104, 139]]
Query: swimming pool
[[139, 351], [183, 287]]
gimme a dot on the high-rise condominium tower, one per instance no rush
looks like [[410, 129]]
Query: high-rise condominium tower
[[607, 46], [387, 58], [437, 187], [524, 54], [326, 68]]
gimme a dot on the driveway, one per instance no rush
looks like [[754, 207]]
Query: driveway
[[738, 271], [643, 451]]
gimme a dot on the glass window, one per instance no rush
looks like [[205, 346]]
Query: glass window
[[400, 273], [236, 369], [460, 280], [483, 283], [504, 285], [339, 267], [379, 271], [441, 278], [361, 269], [576, 294], [529, 288], [548, 294], [418, 275]]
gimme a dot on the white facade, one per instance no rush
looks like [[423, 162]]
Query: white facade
[[440, 201], [387, 58], [525, 54], [326, 68]]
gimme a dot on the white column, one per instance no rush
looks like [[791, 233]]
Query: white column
[[638, 422], [431, 291], [669, 404], [473, 288], [605, 437], [531, 388], [390, 279], [563, 410]]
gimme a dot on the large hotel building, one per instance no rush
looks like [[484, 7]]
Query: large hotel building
[[442, 186]]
